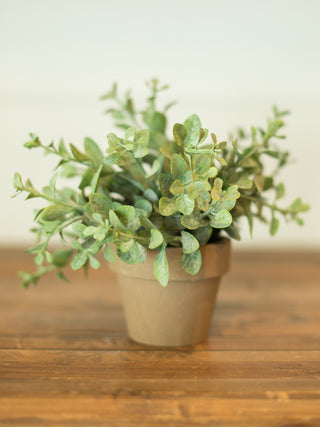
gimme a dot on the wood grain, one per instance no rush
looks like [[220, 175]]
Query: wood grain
[[65, 359]]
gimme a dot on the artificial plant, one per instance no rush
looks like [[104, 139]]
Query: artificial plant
[[149, 190]]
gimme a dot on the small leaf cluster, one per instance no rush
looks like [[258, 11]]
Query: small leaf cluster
[[148, 190]]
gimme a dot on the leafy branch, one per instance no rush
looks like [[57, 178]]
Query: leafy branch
[[150, 191]]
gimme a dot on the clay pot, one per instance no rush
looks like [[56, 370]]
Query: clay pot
[[180, 313]]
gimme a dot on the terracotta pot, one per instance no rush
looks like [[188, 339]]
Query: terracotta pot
[[179, 314]]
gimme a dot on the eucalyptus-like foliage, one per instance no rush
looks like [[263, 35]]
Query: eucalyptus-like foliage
[[152, 190]]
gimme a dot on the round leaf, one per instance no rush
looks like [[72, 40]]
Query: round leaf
[[189, 242]]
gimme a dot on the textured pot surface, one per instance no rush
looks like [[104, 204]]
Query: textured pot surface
[[179, 314]]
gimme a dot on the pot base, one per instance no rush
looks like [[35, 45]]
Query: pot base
[[177, 315]]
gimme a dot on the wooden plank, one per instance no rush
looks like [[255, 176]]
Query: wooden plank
[[158, 364], [160, 411], [65, 358], [250, 388]]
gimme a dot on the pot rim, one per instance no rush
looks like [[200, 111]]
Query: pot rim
[[215, 262]]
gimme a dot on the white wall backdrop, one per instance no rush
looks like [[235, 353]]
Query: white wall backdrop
[[227, 60]]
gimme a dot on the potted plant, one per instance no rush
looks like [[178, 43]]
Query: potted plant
[[160, 208]]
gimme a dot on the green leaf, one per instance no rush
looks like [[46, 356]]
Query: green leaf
[[61, 258], [231, 193], [111, 93], [132, 256], [154, 169], [89, 231], [151, 195], [217, 189], [191, 263], [274, 226], [94, 248], [93, 151], [259, 182], [193, 191], [52, 184], [109, 254], [100, 233], [177, 187], [79, 229], [140, 141], [17, 182], [184, 204], [95, 179], [78, 155], [125, 213], [130, 132], [178, 166], [165, 182], [192, 125], [100, 204], [146, 223], [233, 232], [244, 183], [87, 178], [158, 122], [54, 212], [126, 246], [115, 221], [246, 204], [203, 235], [140, 151], [161, 268], [39, 259], [61, 276], [167, 206], [211, 173], [79, 260], [156, 239], [95, 264], [189, 242], [62, 149], [280, 191], [201, 163], [222, 219], [145, 205], [192, 221], [179, 133]]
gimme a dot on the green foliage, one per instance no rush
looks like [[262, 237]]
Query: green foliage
[[160, 268], [149, 191]]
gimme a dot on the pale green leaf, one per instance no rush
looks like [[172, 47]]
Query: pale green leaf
[[178, 166], [54, 212], [274, 226], [184, 204], [177, 187], [167, 206], [125, 213], [192, 125], [161, 268], [179, 133], [79, 260], [189, 242], [191, 263], [156, 239], [109, 254], [192, 221], [244, 183], [93, 151], [95, 264], [222, 219]]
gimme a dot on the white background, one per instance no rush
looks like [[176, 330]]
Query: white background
[[228, 61]]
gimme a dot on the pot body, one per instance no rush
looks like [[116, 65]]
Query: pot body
[[179, 314]]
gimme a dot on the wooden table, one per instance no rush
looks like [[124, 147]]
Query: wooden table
[[65, 359]]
